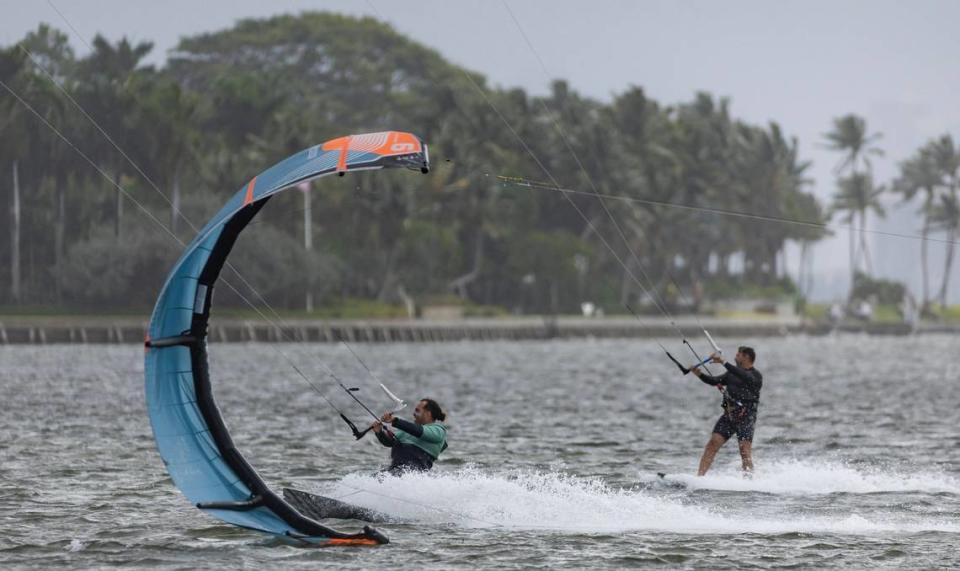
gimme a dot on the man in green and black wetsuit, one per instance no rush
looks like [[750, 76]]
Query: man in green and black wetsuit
[[741, 396], [414, 445]]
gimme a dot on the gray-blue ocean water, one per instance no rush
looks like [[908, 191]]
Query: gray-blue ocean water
[[554, 449]]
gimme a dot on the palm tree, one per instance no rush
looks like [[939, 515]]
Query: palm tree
[[12, 143], [782, 178], [849, 135], [945, 216], [108, 72], [40, 158], [946, 155], [649, 167], [857, 195], [52, 59], [164, 117], [804, 206], [918, 174]]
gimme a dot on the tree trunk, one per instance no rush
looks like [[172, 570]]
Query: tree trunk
[[15, 238], [627, 282], [923, 263], [947, 267], [853, 258], [810, 266], [119, 207], [389, 278], [867, 264], [800, 266], [59, 233], [723, 261], [774, 272], [803, 276], [408, 302], [459, 285]]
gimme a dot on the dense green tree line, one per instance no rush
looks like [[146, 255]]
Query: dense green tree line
[[228, 104]]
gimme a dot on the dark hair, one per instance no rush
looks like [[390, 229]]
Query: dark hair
[[749, 352], [435, 411]]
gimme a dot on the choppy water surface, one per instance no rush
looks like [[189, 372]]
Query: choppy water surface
[[554, 449]]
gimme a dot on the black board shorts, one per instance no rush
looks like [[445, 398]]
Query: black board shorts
[[741, 422]]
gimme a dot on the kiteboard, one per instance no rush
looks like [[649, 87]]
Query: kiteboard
[[322, 507], [664, 481]]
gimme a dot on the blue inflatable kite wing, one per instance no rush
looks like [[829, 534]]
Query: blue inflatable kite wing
[[183, 436], [189, 431]]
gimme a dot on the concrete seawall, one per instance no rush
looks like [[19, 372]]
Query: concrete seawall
[[120, 331]]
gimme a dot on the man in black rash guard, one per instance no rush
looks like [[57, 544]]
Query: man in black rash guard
[[741, 396]]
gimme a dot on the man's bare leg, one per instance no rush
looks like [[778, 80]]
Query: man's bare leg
[[746, 447], [709, 452]]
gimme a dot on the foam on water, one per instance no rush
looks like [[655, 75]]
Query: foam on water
[[797, 477], [567, 504]]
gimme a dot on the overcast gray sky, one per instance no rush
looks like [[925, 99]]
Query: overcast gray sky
[[798, 63]]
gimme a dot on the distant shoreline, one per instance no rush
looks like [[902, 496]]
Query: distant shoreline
[[16, 330]]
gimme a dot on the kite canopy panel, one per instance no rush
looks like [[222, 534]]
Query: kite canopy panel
[[189, 431]]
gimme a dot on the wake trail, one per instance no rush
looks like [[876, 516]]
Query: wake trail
[[800, 477], [560, 503]]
